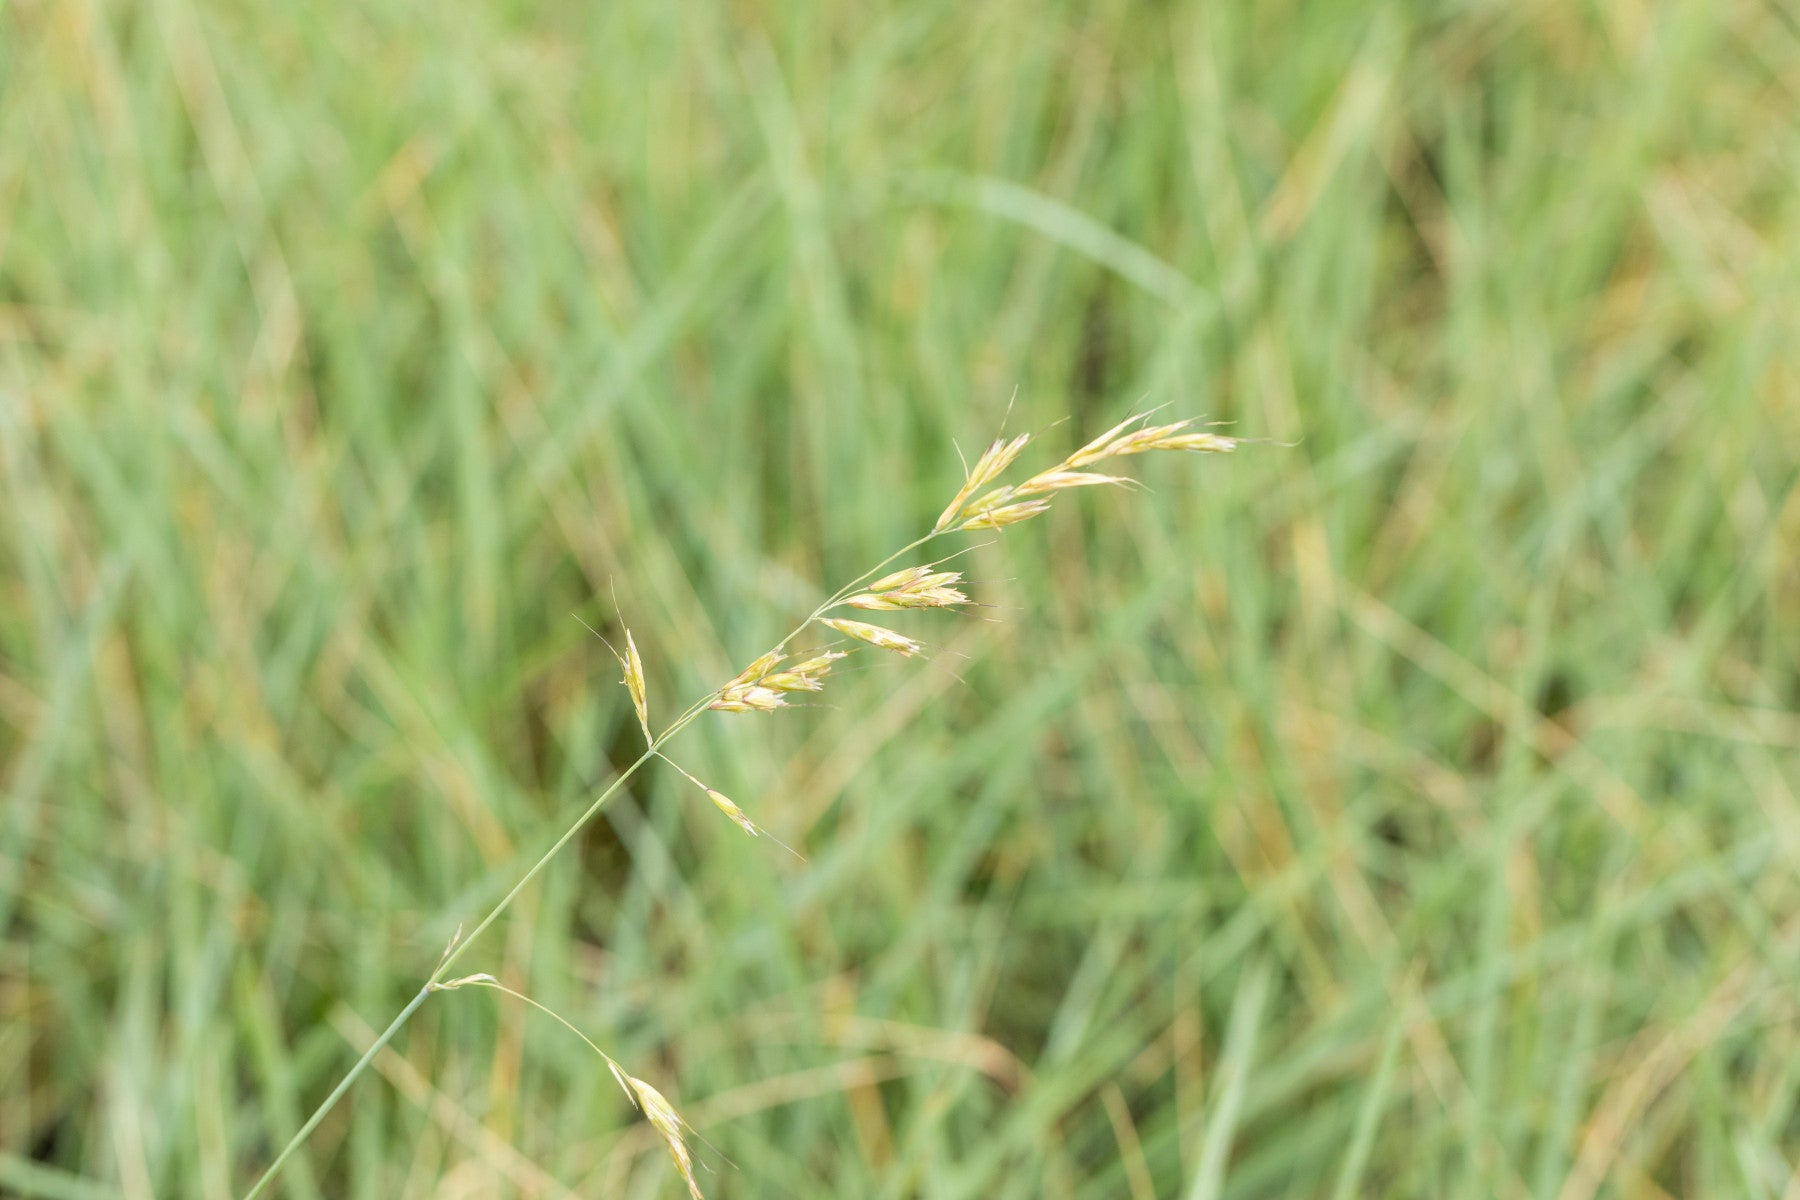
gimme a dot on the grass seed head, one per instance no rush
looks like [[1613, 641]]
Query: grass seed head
[[1150, 437], [995, 459], [1006, 514], [875, 635], [818, 667], [875, 603], [899, 579], [1099, 448], [744, 697], [936, 597], [667, 1122], [1199, 443], [993, 499], [756, 670], [634, 683], [723, 803], [932, 597], [792, 681], [808, 676], [1060, 480]]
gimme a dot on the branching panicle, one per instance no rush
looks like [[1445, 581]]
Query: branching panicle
[[765, 686]]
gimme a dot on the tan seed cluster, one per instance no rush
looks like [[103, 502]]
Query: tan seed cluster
[[759, 687], [987, 468]]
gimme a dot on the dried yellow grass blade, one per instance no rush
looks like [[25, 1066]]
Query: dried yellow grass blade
[[875, 635]]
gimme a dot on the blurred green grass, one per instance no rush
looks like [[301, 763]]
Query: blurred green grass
[[1408, 811]]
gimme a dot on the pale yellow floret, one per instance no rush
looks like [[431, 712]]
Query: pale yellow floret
[[668, 1123], [634, 683], [875, 635], [1007, 514], [992, 462]]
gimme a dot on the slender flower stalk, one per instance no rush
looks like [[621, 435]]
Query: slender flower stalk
[[765, 685]]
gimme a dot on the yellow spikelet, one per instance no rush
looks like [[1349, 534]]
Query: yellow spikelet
[[995, 459], [634, 684], [1060, 480], [668, 1123], [875, 635], [1006, 514], [723, 803]]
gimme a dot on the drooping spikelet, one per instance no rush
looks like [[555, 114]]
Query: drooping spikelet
[[875, 635], [723, 803], [995, 459], [668, 1123], [720, 800]]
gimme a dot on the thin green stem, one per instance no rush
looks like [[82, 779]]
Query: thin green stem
[[537, 867], [455, 952], [337, 1093], [496, 985]]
